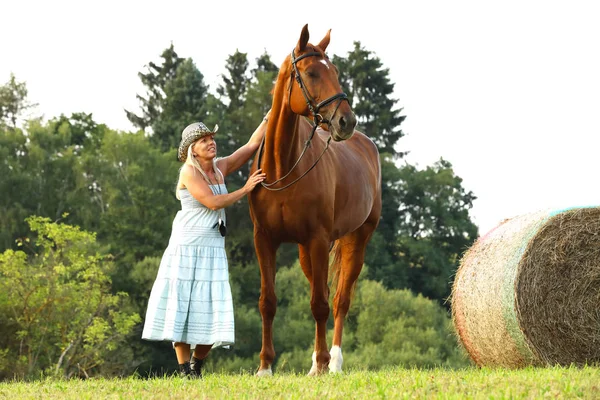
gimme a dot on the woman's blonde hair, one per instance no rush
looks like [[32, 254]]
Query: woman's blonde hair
[[193, 162]]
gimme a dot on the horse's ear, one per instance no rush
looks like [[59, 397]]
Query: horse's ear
[[303, 39], [325, 41]]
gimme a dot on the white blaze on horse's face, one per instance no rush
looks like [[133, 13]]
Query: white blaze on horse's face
[[342, 120]]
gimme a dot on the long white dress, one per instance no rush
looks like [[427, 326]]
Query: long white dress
[[191, 299]]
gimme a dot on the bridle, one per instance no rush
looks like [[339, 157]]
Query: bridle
[[317, 119], [314, 109]]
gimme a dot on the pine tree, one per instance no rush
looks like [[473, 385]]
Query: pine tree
[[155, 80], [176, 96], [370, 91]]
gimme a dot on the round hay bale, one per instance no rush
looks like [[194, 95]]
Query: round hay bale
[[528, 292]]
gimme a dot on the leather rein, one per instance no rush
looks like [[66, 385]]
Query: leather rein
[[317, 119]]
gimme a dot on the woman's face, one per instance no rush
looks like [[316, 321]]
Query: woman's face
[[205, 147]]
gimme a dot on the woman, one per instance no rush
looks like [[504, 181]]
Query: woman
[[190, 302]]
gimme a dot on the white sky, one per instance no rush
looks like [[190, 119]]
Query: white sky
[[507, 91]]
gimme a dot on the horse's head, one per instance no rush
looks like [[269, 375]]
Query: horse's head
[[318, 92]]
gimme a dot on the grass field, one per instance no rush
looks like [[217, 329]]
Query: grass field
[[472, 383]]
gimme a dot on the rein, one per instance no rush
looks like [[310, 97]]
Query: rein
[[317, 119]]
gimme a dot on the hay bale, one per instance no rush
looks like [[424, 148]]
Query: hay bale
[[528, 292]]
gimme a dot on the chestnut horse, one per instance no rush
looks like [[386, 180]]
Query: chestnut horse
[[318, 193]]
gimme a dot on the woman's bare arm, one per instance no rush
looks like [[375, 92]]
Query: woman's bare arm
[[198, 187], [232, 163]]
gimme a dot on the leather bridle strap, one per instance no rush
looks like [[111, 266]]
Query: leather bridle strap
[[314, 109], [318, 119]]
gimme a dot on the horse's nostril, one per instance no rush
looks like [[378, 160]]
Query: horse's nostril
[[352, 121], [342, 122]]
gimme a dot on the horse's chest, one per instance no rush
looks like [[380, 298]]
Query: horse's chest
[[290, 219]]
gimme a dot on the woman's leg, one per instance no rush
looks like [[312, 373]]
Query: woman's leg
[[200, 353], [182, 350]]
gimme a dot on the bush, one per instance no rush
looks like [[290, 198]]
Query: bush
[[63, 318]]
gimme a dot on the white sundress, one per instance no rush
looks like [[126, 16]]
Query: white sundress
[[191, 299]]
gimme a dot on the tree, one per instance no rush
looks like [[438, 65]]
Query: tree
[[435, 225], [12, 182], [176, 96], [155, 80], [382, 251], [235, 83], [430, 232], [63, 318], [40, 171], [184, 102], [13, 101], [132, 187], [369, 91], [258, 97], [399, 328], [116, 184]]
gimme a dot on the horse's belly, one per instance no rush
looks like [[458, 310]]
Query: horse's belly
[[300, 217], [351, 217]]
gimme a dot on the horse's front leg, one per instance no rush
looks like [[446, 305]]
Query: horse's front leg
[[319, 302], [267, 304]]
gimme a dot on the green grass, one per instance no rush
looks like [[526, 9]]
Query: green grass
[[397, 383]]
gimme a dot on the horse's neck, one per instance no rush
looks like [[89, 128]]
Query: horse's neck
[[283, 145]]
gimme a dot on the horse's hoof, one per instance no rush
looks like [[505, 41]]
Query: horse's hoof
[[264, 372]]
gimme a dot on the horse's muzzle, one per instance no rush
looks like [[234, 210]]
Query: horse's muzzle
[[343, 126]]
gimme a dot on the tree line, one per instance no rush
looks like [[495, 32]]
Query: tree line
[[86, 212]]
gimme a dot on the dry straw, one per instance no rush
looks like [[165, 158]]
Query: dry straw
[[528, 292]]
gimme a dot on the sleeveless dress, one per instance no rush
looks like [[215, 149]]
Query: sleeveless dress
[[191, 299]]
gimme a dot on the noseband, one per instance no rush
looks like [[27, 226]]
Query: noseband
[[317, 118]]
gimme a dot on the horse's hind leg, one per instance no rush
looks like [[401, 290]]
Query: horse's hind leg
[[351, 256]]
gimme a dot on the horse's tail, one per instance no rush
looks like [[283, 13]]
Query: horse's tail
[[335, 266]]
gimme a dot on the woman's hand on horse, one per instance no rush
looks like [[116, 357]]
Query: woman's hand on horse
[[257, 177]]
